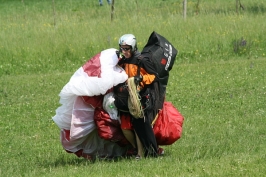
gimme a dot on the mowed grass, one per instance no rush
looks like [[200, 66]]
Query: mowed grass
[[221, 93], [223, 134]]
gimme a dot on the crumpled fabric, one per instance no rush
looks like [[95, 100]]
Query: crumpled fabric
[[75, 117]]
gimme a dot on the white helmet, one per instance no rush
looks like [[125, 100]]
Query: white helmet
[[128, 39]]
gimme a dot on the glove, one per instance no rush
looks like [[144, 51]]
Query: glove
[[119, 54], [138, 79]]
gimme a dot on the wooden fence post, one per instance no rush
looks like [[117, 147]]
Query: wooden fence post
[[54, 13], [237, 5], [112, 9], [185, 9]]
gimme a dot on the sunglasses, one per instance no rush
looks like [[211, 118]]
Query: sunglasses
[[125, 49]]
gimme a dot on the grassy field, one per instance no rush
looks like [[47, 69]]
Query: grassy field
[[217, 83]]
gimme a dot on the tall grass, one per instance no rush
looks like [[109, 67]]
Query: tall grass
[[32, 42], [217, 83]]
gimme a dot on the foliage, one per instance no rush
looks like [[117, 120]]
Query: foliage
[[217, 83]]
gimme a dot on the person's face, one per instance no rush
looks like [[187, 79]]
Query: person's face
[[126, 50]]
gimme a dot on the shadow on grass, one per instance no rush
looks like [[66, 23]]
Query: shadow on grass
[[62, 161]]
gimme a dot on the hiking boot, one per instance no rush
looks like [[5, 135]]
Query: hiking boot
[[138, 157], [160, 151]]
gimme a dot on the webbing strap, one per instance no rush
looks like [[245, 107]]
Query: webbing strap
[[138, 71]]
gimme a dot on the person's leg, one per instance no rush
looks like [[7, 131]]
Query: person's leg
[[139, 146], [101, 2], [130, 137], [126, 127], [109, 1], [146, 136]]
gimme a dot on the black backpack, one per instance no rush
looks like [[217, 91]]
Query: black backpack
[[162, 54]]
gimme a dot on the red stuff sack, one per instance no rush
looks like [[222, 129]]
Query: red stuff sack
[[108, 129], [168, 126]]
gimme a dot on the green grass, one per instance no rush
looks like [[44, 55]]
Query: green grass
[[34, 40], [216, 83]]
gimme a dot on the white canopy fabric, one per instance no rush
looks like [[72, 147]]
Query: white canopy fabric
[[95, 77]]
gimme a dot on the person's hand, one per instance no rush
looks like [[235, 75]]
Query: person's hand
[[119, 55], [138, 79]]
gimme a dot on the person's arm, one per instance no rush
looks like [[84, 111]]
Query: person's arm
[[147, 71], [146, 77]]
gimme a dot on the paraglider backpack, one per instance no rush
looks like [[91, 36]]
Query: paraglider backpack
[[162, 55]]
